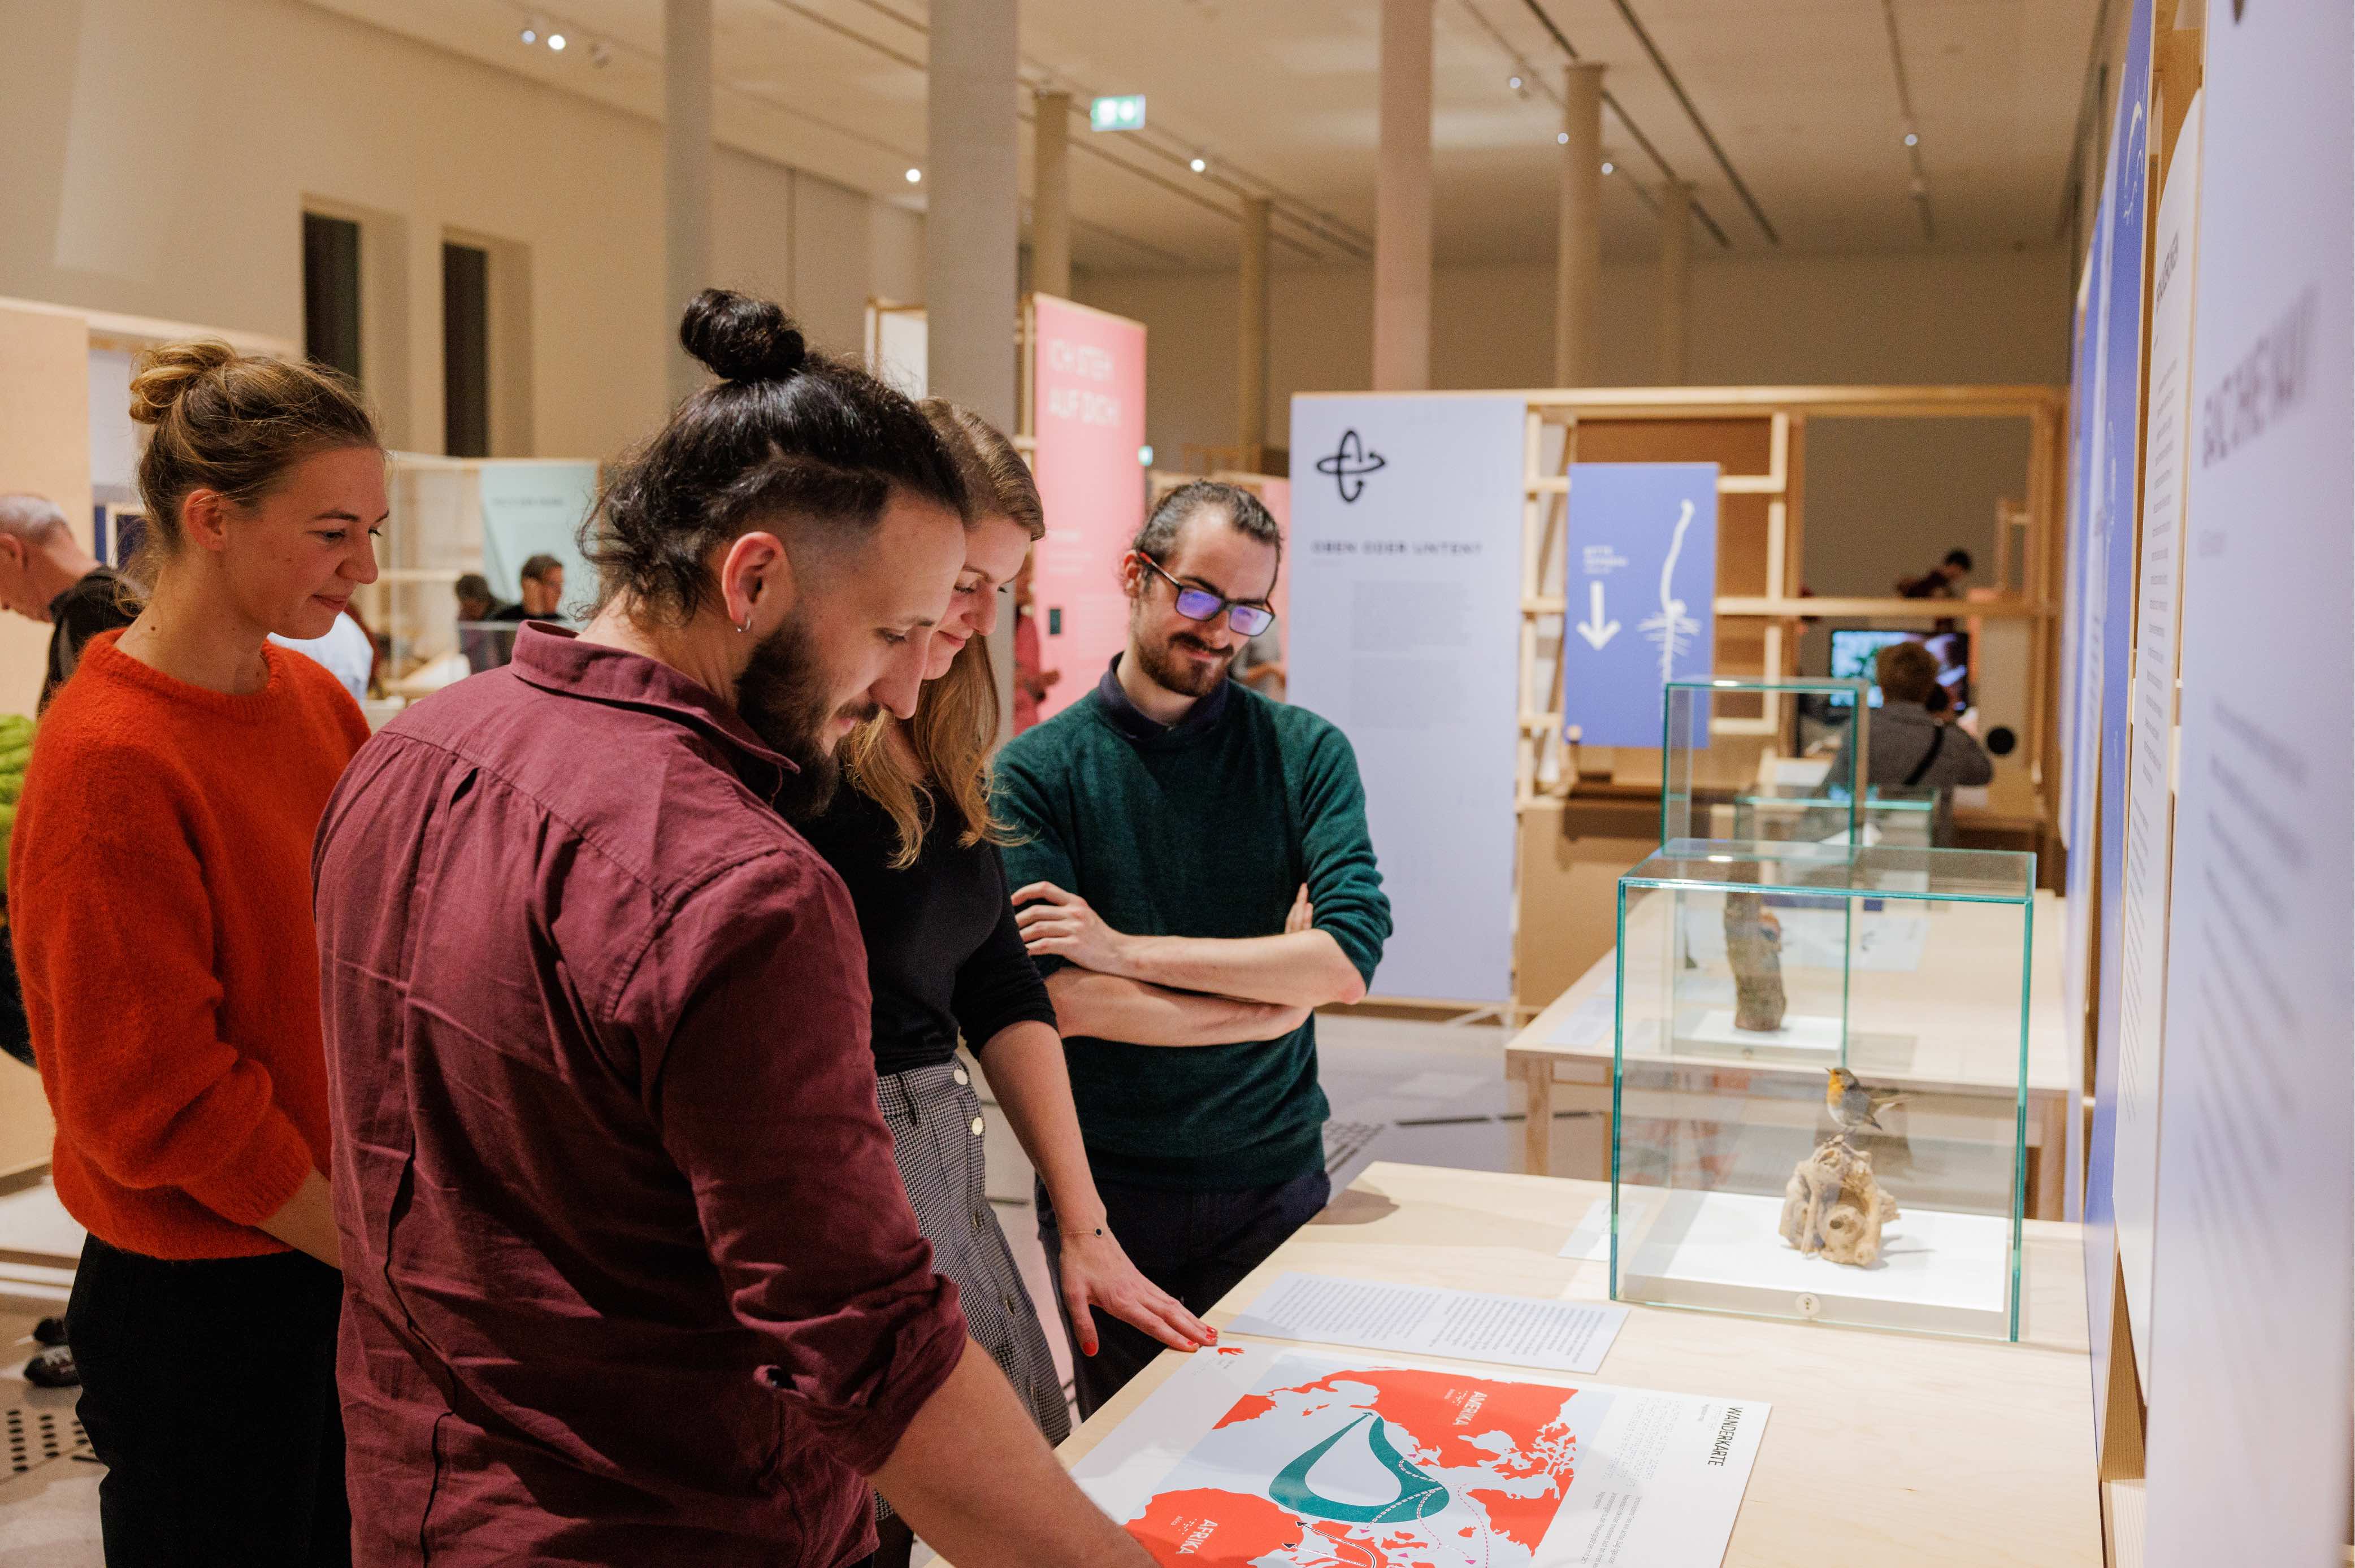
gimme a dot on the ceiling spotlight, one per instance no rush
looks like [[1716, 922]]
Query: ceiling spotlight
[[1561, 137], [530, 35], [1199, 166], [1514, 82], [556, 42], [914, 175], [601, 54], [1609, 168], [1912, 140]]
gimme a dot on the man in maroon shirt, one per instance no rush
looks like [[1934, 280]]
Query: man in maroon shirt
[[630, 1275]]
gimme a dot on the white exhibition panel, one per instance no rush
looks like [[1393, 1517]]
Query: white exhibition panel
[[2248, 1455], [2150, 810], [1405, 611], [533, 506]]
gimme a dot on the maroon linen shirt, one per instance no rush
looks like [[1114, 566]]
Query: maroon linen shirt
[[629, 1277]]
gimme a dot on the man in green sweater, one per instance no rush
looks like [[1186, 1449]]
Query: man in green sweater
[[1195, 878]]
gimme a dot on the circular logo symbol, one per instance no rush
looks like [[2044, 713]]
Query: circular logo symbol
[[1350, 464]]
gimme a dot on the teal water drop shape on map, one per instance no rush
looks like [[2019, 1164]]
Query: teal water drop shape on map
[[1419, 1497]]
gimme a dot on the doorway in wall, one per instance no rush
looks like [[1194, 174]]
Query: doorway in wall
[[331, 291], [465, 349]]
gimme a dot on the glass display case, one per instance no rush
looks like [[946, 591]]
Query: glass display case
[[1819, 1083], [1894, 815], [1723, 738]]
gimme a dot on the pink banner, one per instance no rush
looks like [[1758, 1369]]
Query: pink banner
[[1088, 377]]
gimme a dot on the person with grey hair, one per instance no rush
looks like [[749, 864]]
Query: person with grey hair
[[1193, 878], [47, 575]]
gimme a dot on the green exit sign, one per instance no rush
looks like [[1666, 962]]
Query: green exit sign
[[1126, 112]]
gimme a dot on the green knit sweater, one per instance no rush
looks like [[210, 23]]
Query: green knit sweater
[[1208, 828]]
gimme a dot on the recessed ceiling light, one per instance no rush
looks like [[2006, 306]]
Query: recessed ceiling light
[[1514, 82], [1562, 137], [915, 175], [530, 35], [1609, 168], [1912, 140], [556, 42], [1199, 166]]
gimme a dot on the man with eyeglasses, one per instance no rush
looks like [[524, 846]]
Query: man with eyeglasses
[[1195, 878]]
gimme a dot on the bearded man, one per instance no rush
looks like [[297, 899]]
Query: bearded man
[[630, 1275], [1195, 878]]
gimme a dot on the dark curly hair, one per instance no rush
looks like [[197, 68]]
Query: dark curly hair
[[786, 434]]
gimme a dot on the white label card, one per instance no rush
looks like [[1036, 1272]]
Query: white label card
[[1513, 1331]]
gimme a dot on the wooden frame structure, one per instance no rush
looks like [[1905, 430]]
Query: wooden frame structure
[[1758, 435], [1781, 414]]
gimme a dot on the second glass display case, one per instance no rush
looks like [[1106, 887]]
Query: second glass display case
[[1819, 1083], [1730, 743]]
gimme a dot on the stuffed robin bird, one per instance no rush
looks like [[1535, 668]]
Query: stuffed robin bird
[[1854, 1106]]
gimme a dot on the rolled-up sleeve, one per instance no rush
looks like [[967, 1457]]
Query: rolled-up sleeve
[[764, 1095]]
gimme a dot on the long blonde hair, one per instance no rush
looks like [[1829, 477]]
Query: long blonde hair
[[955, 722]]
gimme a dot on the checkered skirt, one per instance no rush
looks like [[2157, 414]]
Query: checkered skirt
[[936, 1136]]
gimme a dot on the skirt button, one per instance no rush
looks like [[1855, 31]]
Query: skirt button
[[977, 1126], [963, 1077]]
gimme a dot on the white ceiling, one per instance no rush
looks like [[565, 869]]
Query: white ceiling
[[1280, 97]]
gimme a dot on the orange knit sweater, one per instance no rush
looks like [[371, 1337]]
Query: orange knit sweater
[[159, 895]]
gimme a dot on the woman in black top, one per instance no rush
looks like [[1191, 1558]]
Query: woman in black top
[[915, 842]]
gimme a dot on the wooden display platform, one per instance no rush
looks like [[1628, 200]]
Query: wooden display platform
[[1975, 1028], [1884, 1448]]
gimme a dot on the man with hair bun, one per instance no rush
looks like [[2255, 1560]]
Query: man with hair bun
[[1195, 878], [633, 1275]]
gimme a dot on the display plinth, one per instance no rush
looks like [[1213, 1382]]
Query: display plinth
[[1700, 778], [1778, 1007]]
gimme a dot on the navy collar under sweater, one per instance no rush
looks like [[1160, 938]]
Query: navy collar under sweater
[[1112, 702]]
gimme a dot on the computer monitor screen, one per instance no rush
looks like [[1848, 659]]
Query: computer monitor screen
[[1853, 653]]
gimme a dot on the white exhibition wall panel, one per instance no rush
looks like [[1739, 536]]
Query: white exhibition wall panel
[[2151, 800], [1405, 611], [536, 507], [2248, 1457]]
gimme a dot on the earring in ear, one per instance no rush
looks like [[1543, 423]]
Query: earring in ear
[[746, 624]]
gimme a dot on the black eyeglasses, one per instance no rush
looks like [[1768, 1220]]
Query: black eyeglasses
[[1201, 605]]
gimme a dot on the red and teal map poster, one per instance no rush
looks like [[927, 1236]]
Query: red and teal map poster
[[1256, 1458]]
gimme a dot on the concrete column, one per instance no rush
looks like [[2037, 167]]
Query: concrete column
[[1251, 343], [973, 233], [687, 177], [1050, 197], [1676, 278], [1403, 202], [972, 201], [1578, 253]]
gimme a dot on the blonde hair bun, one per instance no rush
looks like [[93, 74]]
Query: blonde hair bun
[[166, 371]]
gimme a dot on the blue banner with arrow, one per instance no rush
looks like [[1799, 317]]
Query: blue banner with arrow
[[1641, 595]]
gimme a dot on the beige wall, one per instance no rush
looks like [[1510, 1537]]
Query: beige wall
[[161, 153], [1878, 499]]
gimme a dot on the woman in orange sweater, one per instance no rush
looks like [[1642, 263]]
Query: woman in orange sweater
[[159, 883]]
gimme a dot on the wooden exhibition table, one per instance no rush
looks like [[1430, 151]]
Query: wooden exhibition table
[[1883, 1448], [1577, 1077]]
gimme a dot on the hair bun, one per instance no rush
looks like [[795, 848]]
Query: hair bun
[[740, 338], [166, 372]]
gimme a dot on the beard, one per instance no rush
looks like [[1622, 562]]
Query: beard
[[782, 699], [1168, 668]]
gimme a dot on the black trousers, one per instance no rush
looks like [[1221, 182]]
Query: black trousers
[[1195, 1246], [208, 1390]]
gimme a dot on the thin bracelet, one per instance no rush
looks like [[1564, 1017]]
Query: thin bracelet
[[1097, 1231]]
